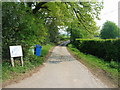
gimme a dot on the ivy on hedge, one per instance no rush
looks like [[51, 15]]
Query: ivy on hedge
[[108, 49]]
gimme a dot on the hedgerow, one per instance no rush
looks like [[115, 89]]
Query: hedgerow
[[108, 49]]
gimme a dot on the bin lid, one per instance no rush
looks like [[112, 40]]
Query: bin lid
[[38, 46]]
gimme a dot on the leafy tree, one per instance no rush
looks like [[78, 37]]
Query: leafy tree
[[65, 13], [22, 24], [83, 24], [109, 30], [20, 27]]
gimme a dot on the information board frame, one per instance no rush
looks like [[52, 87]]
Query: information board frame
[[16, 51]]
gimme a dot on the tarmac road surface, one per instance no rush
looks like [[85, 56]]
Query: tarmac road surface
[[61, 71]]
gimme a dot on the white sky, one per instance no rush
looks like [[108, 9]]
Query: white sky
[[109, 12]]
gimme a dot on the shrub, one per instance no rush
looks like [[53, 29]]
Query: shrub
[[108, 49]]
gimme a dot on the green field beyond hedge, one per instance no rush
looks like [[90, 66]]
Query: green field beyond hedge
[[108, 49]]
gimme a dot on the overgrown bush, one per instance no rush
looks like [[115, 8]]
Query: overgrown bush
[[20, 27], [30, 61], [108, 49]]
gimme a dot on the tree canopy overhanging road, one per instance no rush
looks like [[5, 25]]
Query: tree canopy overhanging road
[[41, 23], [30, 23]]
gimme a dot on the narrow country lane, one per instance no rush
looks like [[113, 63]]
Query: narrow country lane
[[61, 71]]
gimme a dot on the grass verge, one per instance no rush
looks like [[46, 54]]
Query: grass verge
[[98, 66], [30, 63]]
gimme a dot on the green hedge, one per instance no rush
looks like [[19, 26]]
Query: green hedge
[[108, 49]]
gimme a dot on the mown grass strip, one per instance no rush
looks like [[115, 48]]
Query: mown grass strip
[[97, 64]]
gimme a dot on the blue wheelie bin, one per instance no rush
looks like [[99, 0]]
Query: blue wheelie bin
[[38, 50]]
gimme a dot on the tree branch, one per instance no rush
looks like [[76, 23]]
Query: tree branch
[[39, 6]]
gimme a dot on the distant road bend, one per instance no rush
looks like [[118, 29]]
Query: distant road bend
[[61, 70]]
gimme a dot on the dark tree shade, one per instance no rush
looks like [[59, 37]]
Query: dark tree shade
[[109, 30]]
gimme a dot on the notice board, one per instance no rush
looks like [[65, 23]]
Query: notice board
[[16, 51]]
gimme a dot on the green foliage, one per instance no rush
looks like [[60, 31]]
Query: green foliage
[[28, 27], [96, 63], [109, 30], [108, 49], [30, 62], [53, 32], [78, 16], [21, 28], [64, 37], [22, 25], [83, 24]]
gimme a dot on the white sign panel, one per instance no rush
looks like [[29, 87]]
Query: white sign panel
[[16, 51]]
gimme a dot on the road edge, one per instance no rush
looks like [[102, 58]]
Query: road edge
[[28, 73], [102, 75]]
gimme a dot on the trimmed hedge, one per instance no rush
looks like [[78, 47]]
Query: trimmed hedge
[[108, 49]]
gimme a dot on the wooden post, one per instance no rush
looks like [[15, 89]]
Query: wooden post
[[16, 51], [12, 62], [22, 61]]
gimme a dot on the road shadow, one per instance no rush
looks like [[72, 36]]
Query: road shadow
[[57, 58]]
